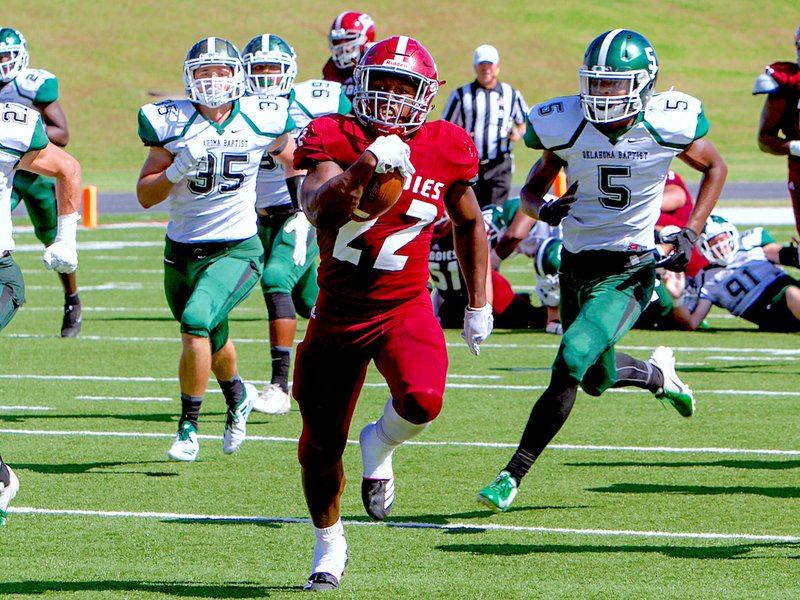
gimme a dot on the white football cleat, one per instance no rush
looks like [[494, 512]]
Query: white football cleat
[[674, 391], [273, 401], [185, 447], [377, 482], [236, 421], [7, 493]]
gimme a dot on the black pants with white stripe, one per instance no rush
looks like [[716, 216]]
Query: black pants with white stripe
[[494, 181]]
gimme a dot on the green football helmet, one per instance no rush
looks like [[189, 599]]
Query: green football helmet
[[213, 91], [13, 54], [719, 241], [617, 76], [269, 49]]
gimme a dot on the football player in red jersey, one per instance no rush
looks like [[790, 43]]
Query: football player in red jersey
[[373, 302], [350, 36], [779, 128]]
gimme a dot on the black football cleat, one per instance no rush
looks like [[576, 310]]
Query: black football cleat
[[378, 497], [321, 582], [71, 324]]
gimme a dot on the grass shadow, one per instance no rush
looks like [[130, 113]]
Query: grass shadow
[[691, 552], [768, 465], [698, 490], [172, 589]]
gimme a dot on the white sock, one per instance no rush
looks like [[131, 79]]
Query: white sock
[[330, 550], [378, 441]]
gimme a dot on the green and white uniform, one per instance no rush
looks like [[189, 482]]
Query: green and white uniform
[[307, 101], [34, 87], [750, 286], [22, 131], [213, 258], [607, 269]]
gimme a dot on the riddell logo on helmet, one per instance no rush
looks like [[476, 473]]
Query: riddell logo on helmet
[[395, 63]]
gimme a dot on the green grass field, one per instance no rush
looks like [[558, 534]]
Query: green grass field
[[631, 501], [112, 56]]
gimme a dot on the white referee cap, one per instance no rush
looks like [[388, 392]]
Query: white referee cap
[[486, 53]]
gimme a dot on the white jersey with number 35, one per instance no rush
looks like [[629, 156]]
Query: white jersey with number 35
[[215, 201], [620, 179]]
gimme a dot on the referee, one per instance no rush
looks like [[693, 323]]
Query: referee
[[493, 113]]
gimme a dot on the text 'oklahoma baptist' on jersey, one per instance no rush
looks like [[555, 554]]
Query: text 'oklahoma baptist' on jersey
[[383, 262]]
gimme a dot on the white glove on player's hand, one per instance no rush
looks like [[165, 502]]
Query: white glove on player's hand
[[299, 226], [186, 159], [62, 254], [478, 323], [392, 153]]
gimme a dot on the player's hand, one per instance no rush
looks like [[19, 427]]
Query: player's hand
[[62, 254], [674, 283], [299, 226], [186, 159], [478, 323], [553, 212], [392, 154], [683, 242]]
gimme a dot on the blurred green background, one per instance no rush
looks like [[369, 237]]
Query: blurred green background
[[112, 56]]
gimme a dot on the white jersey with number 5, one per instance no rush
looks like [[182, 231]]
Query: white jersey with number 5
[[21, 131], [620, 179], [307, 101], [216, 200]]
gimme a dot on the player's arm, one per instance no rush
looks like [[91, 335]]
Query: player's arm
[[153, 186], [675, 284], [511, 237], [471, 242], [770, 139], [282, 150], [703, 156], [55, 122], [329, 193], [673, 199], [540, 179], [52, 161]]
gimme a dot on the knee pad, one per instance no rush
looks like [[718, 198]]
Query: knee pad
[[279, 306], [195, 321], [581, 346], [419, 408]]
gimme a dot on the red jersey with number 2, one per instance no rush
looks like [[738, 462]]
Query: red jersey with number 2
[[378, 264]]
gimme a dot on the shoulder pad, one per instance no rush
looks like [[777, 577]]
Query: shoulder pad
[[675, 119], [164, 121], [554, 123], [755, 238], [318, 97], [764, 84], [38, 85], [267, 115]]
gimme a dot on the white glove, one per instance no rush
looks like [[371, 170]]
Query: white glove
[[392, 153], [478, 324], [794, 147], [192, 153], [299, 226], [62, 254]]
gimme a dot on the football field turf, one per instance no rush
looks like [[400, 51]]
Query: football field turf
[[630, 501]]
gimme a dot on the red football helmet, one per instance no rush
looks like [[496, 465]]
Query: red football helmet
[[387, 112], [350, 33]]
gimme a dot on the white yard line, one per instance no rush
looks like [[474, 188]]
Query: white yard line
[[127, 398], [275, 439], [24, 510], [26, 408]]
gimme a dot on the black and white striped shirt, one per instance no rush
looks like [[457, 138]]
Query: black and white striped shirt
[[488, 115]]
